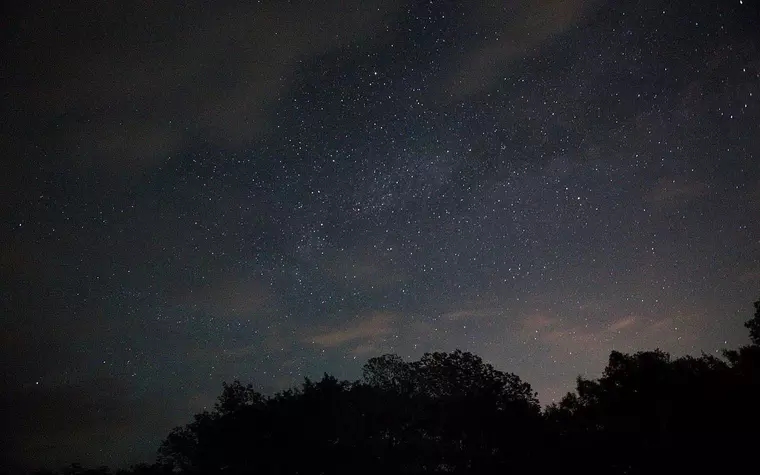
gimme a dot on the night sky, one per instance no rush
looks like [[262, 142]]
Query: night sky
[[271, 190]]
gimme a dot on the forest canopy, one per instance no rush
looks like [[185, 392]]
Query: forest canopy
[[455, 413]]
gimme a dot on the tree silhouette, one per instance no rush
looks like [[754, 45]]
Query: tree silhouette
[[648, 413], [754, 325], [452, 409], [445, 412]]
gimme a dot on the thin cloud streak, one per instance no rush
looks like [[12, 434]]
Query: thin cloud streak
[[370, 327]]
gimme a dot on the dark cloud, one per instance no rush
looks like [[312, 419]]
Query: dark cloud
[[129, 85]]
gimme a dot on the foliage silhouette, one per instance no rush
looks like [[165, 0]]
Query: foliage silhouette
[[453, 413], [444, 412], [754, 325]]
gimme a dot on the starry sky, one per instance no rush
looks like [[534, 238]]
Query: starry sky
[[271, 190]]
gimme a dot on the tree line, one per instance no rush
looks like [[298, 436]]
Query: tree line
[[453, 413]]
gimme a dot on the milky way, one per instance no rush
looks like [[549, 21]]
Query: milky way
[[269, 192]]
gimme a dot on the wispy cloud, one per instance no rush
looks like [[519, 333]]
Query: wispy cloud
[[363, 330], [514, 29], [629, 331], [674, 192], [470, 314], [750, 275], [621, 324]]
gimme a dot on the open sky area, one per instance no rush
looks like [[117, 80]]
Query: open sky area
[[196, 192]]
